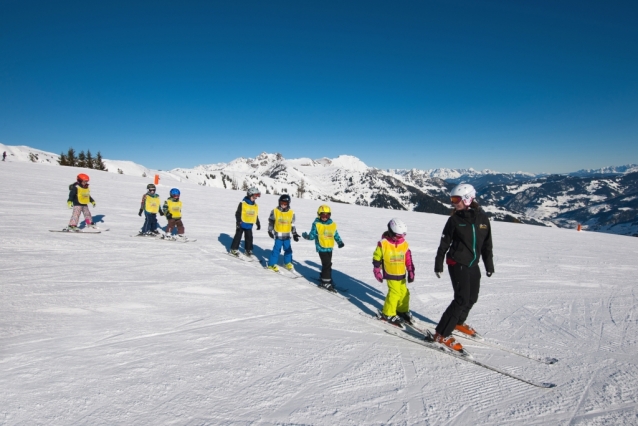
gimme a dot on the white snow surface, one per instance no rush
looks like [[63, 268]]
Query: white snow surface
[[106, 329]]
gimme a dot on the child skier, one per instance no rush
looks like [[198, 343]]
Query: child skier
[[324, 232], [392, 259], [246, 216], [173, 211], [281, 226], [79, 198], [466, 237], [150, 207]]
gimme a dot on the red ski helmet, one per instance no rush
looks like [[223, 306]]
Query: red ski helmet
[[82, 177]]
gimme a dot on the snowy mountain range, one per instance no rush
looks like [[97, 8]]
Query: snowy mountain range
[[604, 200]]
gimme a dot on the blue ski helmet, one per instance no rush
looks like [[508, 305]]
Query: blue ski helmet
[[174, 192]]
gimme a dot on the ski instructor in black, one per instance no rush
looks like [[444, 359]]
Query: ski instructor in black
[[466, 237]]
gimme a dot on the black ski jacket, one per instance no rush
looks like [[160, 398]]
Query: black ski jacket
[[466, 237]]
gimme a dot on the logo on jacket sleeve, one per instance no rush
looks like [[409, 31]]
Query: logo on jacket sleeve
[[482, 226]]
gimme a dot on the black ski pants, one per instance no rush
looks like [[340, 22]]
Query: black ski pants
[[466, 282], [248, 244], [326, 266]]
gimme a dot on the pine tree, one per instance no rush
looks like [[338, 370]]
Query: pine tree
[[301, 189], [98, 163], [244, 187], [62, 160], [71, 160], [81, 162], [89, 160]]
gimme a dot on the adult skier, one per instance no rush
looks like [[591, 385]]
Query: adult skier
[[173, 211], [150, 207], [324, 232], [245, 217], [392, 260], [79, 198], [281, 228], [466, 237]]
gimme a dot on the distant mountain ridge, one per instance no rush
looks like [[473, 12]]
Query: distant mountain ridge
[[604, 200]]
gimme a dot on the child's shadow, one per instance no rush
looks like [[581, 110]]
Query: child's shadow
[[367, 298], [98, 218], [226, 240]]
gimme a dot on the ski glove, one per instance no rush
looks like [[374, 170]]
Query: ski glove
[[270, 234], [438, 274], [140, 212], [305, 236], [377, 274], [340, 244], [258, 226], [295, 237], [70, 204], [489, 274], [410, 276], [237, 225], [93, 202], [161, 213]]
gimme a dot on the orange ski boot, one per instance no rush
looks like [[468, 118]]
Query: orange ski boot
[[466, 329], [449, 342]]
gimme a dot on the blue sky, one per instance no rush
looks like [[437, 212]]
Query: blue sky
[[538, 86]]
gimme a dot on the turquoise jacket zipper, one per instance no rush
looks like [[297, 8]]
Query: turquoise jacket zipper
[[473, 244]]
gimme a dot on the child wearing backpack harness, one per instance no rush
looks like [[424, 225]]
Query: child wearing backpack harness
[[392, 260], [150, 207], [173, 211], [246, 216], [466, 237], [281, 226], [79, 198], [324, 232]]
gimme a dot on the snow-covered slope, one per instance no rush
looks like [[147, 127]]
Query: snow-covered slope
[[107, 329]]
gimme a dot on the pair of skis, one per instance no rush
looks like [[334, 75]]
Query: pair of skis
[[164, 238], [86, 230], [417, 334]]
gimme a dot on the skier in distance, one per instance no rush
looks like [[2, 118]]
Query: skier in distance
[[79, 198]]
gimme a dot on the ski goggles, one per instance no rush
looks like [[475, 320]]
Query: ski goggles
[[324, 215], [151, 190], [456, 199]]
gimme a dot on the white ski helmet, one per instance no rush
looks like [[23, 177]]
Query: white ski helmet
[[465, 191], [397, 227], [253, 191]]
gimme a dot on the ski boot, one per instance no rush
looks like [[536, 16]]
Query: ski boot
[[328, 285], [273, 268], [248, 253], [72, 228], [466, 329], [406, 317], [449, 342], [234, 252], [290, 266], [394, 320]]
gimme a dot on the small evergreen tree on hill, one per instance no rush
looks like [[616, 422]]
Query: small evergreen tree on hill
[[89, 162], [81, 162]]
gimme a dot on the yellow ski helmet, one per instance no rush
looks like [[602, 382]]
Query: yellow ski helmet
[[323, 209]]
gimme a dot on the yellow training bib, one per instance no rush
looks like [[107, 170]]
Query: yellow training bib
[[174, 208], [249, 212], [283, 221], [326, 234], [84, 195], [394, 257], [152, 204]]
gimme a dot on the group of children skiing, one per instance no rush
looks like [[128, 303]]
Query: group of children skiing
[[466, 238]]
